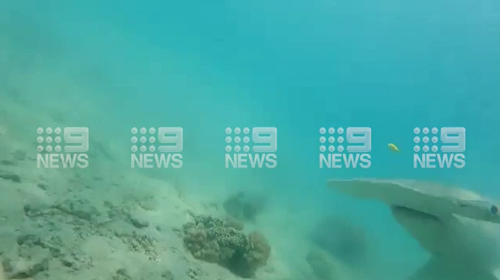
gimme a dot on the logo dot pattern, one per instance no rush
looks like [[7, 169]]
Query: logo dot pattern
[[236, 136], [46, 137], [330, 136], [143, 139], [425, 139]]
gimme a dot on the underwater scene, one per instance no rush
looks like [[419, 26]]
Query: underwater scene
[[266, 140]]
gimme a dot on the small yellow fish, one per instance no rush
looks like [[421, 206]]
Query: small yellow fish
[[393, 147]]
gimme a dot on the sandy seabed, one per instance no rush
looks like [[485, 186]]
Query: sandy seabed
[[111, 223]]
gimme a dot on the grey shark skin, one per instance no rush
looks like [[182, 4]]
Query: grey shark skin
[[459, 228]]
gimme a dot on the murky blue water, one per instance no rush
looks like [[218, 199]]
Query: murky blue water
[[293, 65]]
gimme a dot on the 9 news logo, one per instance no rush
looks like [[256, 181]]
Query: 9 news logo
[[439, 148], [251, 148]]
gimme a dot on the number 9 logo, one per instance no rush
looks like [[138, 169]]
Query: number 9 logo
[[458, 139], [365, 139], [265, 135], [76, 135], [170, 135]]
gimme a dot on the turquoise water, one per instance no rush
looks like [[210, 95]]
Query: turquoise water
[[293, 65]]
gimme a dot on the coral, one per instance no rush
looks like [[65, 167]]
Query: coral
[[244, 205], [212, 240], [235, 223], [259, 252]]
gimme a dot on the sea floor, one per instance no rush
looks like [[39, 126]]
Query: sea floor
[[109, 223]]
